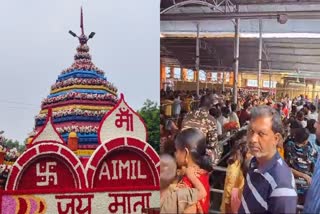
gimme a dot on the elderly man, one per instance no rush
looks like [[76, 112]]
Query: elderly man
[[312, 202], [270, 185]]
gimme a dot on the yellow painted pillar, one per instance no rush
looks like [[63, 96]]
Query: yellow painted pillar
[[183, 74], [313, 90], [162, 75], [231, 78], [240, 80], [195, 75]]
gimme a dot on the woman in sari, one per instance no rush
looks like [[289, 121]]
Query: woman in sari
[[192, 151]]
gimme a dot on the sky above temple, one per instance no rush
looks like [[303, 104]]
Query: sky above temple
[[36, 47]]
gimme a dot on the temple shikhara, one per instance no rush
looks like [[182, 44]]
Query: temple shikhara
[[88, 151], [79, 98]]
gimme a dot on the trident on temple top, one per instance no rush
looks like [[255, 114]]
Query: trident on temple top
[[83, 39]]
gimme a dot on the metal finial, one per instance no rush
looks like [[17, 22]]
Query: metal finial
[[81, 22], [83, 39]]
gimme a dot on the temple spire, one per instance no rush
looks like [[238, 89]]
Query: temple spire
[[83, 39], [81, 22]]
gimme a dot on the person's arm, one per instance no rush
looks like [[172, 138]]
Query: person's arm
[[191, 174], [302, 175], [283, 200]]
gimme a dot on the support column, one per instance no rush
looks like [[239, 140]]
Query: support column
[[239, 80], [208, 76], [183, 75], [236, 59], [231, 78], [162, 75], [270, 81], [171, 72], [219, 76], [313, 90], [223, 80], [260, 57], [198, 59], [305, 89], [195, 75]]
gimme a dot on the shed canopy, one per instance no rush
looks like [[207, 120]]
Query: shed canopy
[[292, 47]]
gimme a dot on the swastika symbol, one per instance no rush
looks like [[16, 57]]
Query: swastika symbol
[[47, 174]]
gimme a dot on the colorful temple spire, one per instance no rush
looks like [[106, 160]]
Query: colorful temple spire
[[79, 98]]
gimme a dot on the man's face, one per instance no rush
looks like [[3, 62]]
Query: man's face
[[262, 142]]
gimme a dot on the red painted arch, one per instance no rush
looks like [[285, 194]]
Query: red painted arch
[[53, 151], [113, 109], [128, 144]]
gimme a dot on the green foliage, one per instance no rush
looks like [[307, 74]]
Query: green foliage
[[10, 144], [150, 112]]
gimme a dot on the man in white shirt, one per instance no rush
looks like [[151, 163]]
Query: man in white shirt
[[216, 113], [233, 116], [299, 105], [313, 114], [224, 118]]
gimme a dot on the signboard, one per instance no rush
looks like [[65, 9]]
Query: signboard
[[83, 202], [121, 176]]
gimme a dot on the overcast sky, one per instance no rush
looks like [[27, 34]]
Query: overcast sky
[[36, 47]]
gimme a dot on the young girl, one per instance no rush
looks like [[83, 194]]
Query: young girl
[[191, 151], [234, 181]]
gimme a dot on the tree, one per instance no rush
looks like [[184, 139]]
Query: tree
[[150, 112], [10, 144]]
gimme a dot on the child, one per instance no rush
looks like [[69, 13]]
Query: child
[[179, 200], [236, 170], [301, 157], [192, 152]]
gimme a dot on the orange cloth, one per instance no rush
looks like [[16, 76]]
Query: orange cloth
[[281, 152]]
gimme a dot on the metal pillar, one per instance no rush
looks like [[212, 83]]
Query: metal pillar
[[270, 81], [197, 59], [223, 79], [162, 76], [305, 89], [313, 90], [260, 56], [236, 58]]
